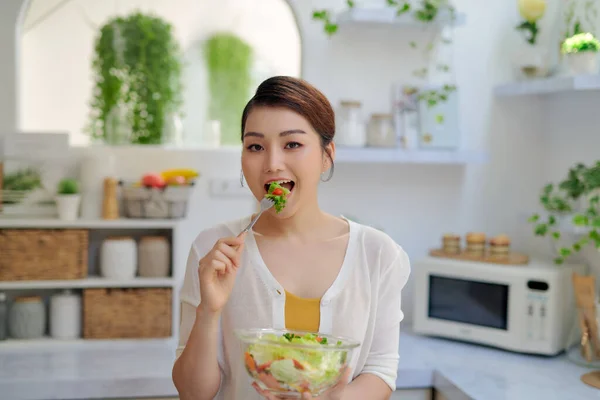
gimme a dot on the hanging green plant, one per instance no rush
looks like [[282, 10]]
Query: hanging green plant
[[137, 69], [424, 11], [229, 62], [576, 198]]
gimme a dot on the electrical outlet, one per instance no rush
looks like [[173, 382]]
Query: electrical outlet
[[228, 187]]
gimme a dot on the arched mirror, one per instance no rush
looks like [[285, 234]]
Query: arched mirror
[[227, 47]]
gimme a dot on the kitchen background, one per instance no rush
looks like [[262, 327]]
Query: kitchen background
[[511, 146]]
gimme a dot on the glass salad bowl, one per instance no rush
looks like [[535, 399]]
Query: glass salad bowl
[[288, 363]]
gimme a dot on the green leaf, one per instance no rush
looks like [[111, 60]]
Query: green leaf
[[350, 3], [556, 235], [559, 260], [534, 218], [564, 252], [580, 220], [330, 28], [403, 9], [541, 229], [320, 15], [595, 236], [439, 119]]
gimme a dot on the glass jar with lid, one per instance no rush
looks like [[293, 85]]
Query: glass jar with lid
[[350, 127], [381, 132]]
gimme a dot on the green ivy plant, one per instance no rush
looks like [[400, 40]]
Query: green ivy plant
[[576, 196], [424, 11], [229, 63], [137, 65]]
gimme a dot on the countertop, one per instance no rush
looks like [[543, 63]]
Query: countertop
[[464, 371], [460, 371]]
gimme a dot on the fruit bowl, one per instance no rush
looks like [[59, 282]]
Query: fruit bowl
[[288, 363]]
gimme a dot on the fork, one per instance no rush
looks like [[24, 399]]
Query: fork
[[265, 204]]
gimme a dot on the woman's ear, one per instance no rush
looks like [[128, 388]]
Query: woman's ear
[[329, 156]]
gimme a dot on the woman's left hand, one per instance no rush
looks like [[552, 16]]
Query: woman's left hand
[[333, 393]]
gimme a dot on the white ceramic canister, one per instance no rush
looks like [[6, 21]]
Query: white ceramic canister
[[350, 128], [154, 253], [65, 315], [118, 258], [27, 318]]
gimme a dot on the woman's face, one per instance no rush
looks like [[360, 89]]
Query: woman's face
[[280, 145]]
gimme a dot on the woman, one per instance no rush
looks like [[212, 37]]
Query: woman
[[300, 269]]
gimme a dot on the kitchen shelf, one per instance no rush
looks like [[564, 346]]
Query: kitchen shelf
[[91, 282], [54, 223], [387, 15], [549, 86], [401, 156]]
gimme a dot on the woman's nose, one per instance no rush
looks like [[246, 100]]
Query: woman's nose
[[274, 160]]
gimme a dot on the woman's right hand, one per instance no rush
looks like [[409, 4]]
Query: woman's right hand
[[217, 271]]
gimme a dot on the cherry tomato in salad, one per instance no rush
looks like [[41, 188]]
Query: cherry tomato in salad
[[277, 192], [297, 364]]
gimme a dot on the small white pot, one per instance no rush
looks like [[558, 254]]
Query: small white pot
[[583, 63], [68, 206]]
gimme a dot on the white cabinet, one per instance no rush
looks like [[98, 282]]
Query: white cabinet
[[411, 394]]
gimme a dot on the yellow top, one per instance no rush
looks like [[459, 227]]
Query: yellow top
[[302, 314]]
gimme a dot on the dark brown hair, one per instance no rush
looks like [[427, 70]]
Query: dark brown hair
[[301, 97]]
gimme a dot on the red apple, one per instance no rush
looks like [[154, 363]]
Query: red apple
[[153, 180]]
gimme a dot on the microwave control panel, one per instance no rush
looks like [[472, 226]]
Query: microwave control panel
[[537, 310]]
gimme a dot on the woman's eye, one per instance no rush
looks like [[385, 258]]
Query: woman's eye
[[293, 145], [254, 147]]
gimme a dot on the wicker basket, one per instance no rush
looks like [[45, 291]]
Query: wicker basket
[[126, 313], [43, 254]]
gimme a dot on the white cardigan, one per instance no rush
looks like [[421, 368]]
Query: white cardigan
[[363, 303]]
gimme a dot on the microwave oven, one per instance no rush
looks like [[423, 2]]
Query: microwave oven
[[523, 308]]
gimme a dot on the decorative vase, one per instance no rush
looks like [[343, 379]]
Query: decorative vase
[[118, 129], [118, 258], [154, 254], [172, 134], [65, 315], [583, 63], [27, 318], [531, 62], [68, 206]]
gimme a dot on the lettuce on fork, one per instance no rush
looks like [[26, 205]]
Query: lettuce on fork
[[278, 194]]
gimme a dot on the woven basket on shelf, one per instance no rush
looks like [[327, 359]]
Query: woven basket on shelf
[[126, 313], [43, 254]]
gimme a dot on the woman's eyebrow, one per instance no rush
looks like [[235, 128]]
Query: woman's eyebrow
[[284, 133]]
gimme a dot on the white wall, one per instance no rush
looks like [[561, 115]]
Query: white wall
[[414, 204], [57, 54]]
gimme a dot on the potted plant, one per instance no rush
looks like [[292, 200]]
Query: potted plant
[[68, 199], [229, 64], [573, 207], [581, 51], [532, 59], [137, 69]]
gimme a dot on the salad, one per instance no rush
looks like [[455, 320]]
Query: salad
[[278, 194], [281, 368]]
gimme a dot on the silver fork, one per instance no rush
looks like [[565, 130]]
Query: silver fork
[[265, 204]]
